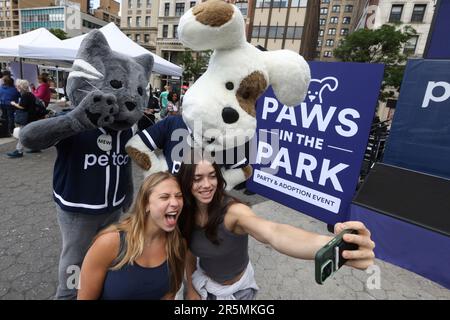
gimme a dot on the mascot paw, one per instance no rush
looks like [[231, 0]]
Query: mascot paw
[[158, 161], [149, 161], [142, 159], [97, 109]]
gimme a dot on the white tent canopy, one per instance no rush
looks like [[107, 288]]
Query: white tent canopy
[[118, 41], [9, 47]]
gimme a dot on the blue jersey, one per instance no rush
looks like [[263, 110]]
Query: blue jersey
[[92, 171], [172, 136]]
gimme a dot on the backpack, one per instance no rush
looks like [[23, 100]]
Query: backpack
[[40, 111], [153, 103]]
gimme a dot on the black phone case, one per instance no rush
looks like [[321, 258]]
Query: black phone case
[[327, 253], [346, 246]]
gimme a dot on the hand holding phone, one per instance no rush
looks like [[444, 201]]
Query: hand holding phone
[[329, 258]]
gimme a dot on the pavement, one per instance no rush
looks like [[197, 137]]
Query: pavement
[[30, 245]]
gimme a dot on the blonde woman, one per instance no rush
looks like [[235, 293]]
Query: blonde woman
[[141, 257]]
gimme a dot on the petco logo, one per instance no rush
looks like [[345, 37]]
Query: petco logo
[[317, 87], [436, 91], [105, 160]]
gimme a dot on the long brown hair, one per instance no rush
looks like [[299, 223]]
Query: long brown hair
[[216, 208], [134, 223]]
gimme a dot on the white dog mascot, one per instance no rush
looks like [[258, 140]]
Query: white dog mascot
[[219, 108]]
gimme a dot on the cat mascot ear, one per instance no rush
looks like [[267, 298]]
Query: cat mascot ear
[[147, 62]]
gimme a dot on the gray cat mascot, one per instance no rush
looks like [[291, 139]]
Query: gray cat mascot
[[92, 182]]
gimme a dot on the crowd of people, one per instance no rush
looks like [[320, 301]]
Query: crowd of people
[[161, 105], [22, 103]]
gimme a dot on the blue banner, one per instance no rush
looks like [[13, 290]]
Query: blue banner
[[438, 45], [309, 157], [420, 131]]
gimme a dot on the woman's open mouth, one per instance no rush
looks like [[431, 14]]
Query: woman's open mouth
[[171, 218]]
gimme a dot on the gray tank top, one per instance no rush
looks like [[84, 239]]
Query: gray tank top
[[224, 261]]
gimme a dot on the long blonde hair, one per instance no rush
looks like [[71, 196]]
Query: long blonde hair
[[134, 223]]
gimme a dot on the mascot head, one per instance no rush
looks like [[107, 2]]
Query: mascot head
[[97, 67]]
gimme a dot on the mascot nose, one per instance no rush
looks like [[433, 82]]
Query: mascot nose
[[130, 105], [229, 115]]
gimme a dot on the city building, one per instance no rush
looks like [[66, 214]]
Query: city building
[[415, 13], [108, 11], [139, 23], [337, 19], [9, 18], [63, 14], [74, 17], [83, 5], [285, 24]]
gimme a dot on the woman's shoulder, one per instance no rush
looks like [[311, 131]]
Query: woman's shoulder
[[235, 206], [236, 209], [103, 250], [108, 242]]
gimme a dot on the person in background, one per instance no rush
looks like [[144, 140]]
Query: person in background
[[173, 105], [43, 91], [24, 112], [5, 73], [183, 92], [148, 118], [217, 227], [8, 94], [143, 256], [163, 100]]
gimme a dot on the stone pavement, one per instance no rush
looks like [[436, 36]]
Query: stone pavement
[[30, 245]]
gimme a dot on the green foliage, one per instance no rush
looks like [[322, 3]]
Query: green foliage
[[61, 34], [382, 45], [194, 64]]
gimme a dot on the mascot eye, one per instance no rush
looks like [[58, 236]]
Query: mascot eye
[[246, 95], [116, 84], [140, 91], [229, 85]]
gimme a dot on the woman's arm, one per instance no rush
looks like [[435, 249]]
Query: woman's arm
[[297, 242], [96, 264], [16, 105], [191, 266]]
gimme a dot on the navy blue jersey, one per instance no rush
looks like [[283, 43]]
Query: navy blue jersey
[[92, 171], [172, 136]]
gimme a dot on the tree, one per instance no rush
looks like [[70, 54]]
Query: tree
[[382, 45], [194, 67], [59, 33]]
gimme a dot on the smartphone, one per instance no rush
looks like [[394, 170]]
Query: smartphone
[[329, 258]]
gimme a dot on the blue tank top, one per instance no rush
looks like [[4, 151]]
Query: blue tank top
[[133, 282]]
